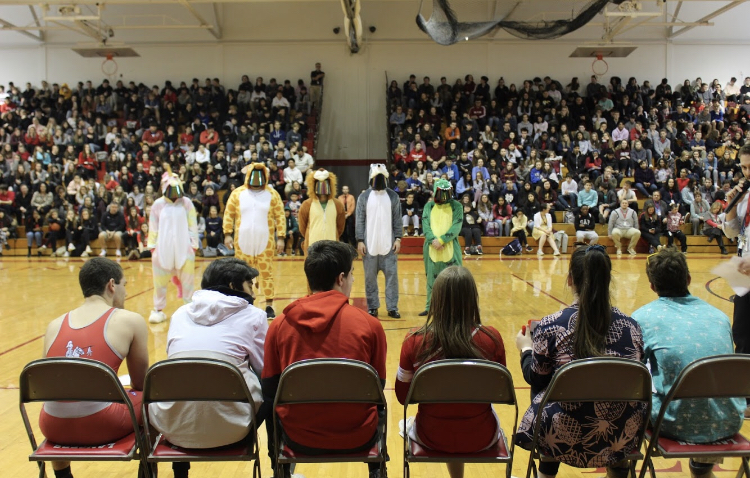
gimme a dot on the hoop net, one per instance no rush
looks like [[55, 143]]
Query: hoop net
[[109, 67]]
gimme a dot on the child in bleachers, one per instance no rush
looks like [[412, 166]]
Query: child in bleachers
[[292, 232], [214, 228], [674, 221], [294, 203], [410, 214]]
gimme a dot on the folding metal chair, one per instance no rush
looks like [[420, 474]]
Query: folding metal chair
[[330, 381], [721, 376], [83, 380], [601, 379], [461, 381], [198, 380]]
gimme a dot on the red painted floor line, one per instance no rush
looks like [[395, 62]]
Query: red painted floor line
[[21, 345], [540, 290]]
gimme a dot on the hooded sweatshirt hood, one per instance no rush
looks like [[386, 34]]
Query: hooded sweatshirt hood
[[316, 311], [210, 307]]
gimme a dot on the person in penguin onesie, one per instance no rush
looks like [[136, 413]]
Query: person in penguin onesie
[[378, 231], [255, 227], [321, 216], [173, 240], [442, 219]]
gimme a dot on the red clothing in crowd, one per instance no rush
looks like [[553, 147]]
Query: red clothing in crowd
[[87, 162], [153, 138], [416, 156], [209, 137], [681, 183], [450, 427], [324, 325]]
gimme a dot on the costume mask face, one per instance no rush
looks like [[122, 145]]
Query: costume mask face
[[443, 191], [171, 186], [378, 176], [323, 188], [257, 179]]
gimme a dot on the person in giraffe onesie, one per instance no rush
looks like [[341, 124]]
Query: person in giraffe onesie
[[441, 220], [255, 227], [321, 216], [173, 240]]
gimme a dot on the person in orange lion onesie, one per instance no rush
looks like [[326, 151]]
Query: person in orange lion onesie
[[255, 212], [317, 219]]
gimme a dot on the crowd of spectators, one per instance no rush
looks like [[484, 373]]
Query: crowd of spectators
[[69, 155], [518, 148]]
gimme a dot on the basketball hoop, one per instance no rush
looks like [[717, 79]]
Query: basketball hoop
[[599, 66], [109, 66]]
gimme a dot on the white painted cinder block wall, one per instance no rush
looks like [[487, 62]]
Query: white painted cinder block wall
[[353, 125]]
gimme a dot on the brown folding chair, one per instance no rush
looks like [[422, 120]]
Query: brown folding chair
[[720, 376], [461, 381], [601, 379], [82, 380], [198, 380], [330, 381]]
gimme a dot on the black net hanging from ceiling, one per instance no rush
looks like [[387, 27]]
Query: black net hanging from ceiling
[[444, 27]]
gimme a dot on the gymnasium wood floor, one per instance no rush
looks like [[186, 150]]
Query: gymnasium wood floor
[[512, 290]]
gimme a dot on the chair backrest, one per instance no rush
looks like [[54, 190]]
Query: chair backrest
[[713, 377], [329, 381], [175, 380], [600, 379], [462, 381], [75, 379]]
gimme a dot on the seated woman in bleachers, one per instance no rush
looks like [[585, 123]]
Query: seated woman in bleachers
[[543, 231], [591, 327], [453, 330], [651, 227]]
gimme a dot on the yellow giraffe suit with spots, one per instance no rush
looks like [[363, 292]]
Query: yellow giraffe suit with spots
[[255, 218]]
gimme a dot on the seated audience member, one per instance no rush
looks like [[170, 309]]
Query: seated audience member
[[607, 201], [569, 191], [520, 222], [99, 329], [453, 330], [7, 230], [322, 325], [471, 230], [699, 210], [591, 327], [627, 193], [622, 224], [502, 215], [410, 214], [675, 220], [585, 224], [112, 226], [679, 328], [55, 231], [713, 227], [645, 181], [220, 323], [34, 224], [292, 232], [543, 231], [587, 196], [651, 227]]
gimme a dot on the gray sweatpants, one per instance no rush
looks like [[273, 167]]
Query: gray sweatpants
[[389, 265]]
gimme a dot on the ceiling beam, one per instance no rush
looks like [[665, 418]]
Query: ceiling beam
[[675, 17], [6, 25], [42, 35], [211, 28], [708, 17]]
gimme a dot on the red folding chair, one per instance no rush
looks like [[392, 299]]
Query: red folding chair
[[720, 376], [461, 381], [83, 380]]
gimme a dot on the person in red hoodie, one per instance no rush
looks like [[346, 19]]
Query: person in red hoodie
[[324, 325]]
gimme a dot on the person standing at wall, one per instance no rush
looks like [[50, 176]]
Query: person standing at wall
[[316, 86]]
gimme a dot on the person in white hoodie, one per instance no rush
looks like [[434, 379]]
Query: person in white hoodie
[[221, 323]]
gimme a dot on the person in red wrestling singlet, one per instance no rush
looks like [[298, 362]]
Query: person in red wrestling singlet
[[100, 329], [453, 330]]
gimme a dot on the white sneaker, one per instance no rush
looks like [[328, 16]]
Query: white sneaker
[[53, 255], [619, 253], [539, 253], [88, 250], [118, 253], [44, 246], [157, 317], [66, 254], [556, 253], [631, 252], [103, 253], [84, 254], [71, 247]]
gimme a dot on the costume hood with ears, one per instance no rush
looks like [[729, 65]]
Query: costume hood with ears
[[256, 176], [378, 176], [443, 191], [171, 185], [322, 180]]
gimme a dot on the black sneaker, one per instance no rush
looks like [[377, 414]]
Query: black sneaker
[[394, 314], [270, 312], [423, 313], [373, 312]]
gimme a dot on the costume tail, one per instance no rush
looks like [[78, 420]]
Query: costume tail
[[177, 284]]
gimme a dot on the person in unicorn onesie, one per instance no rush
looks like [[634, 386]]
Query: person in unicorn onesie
[[173, 240]]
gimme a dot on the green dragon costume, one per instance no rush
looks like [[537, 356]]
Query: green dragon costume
[[441, 220]]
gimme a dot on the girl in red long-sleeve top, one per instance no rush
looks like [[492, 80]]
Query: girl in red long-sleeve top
[[87, 162], [453, 330]]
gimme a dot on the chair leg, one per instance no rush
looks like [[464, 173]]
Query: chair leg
[[744, 469], [406, 469], [42, 472]]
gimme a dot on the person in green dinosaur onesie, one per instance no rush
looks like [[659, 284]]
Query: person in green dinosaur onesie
[[441, 220]]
